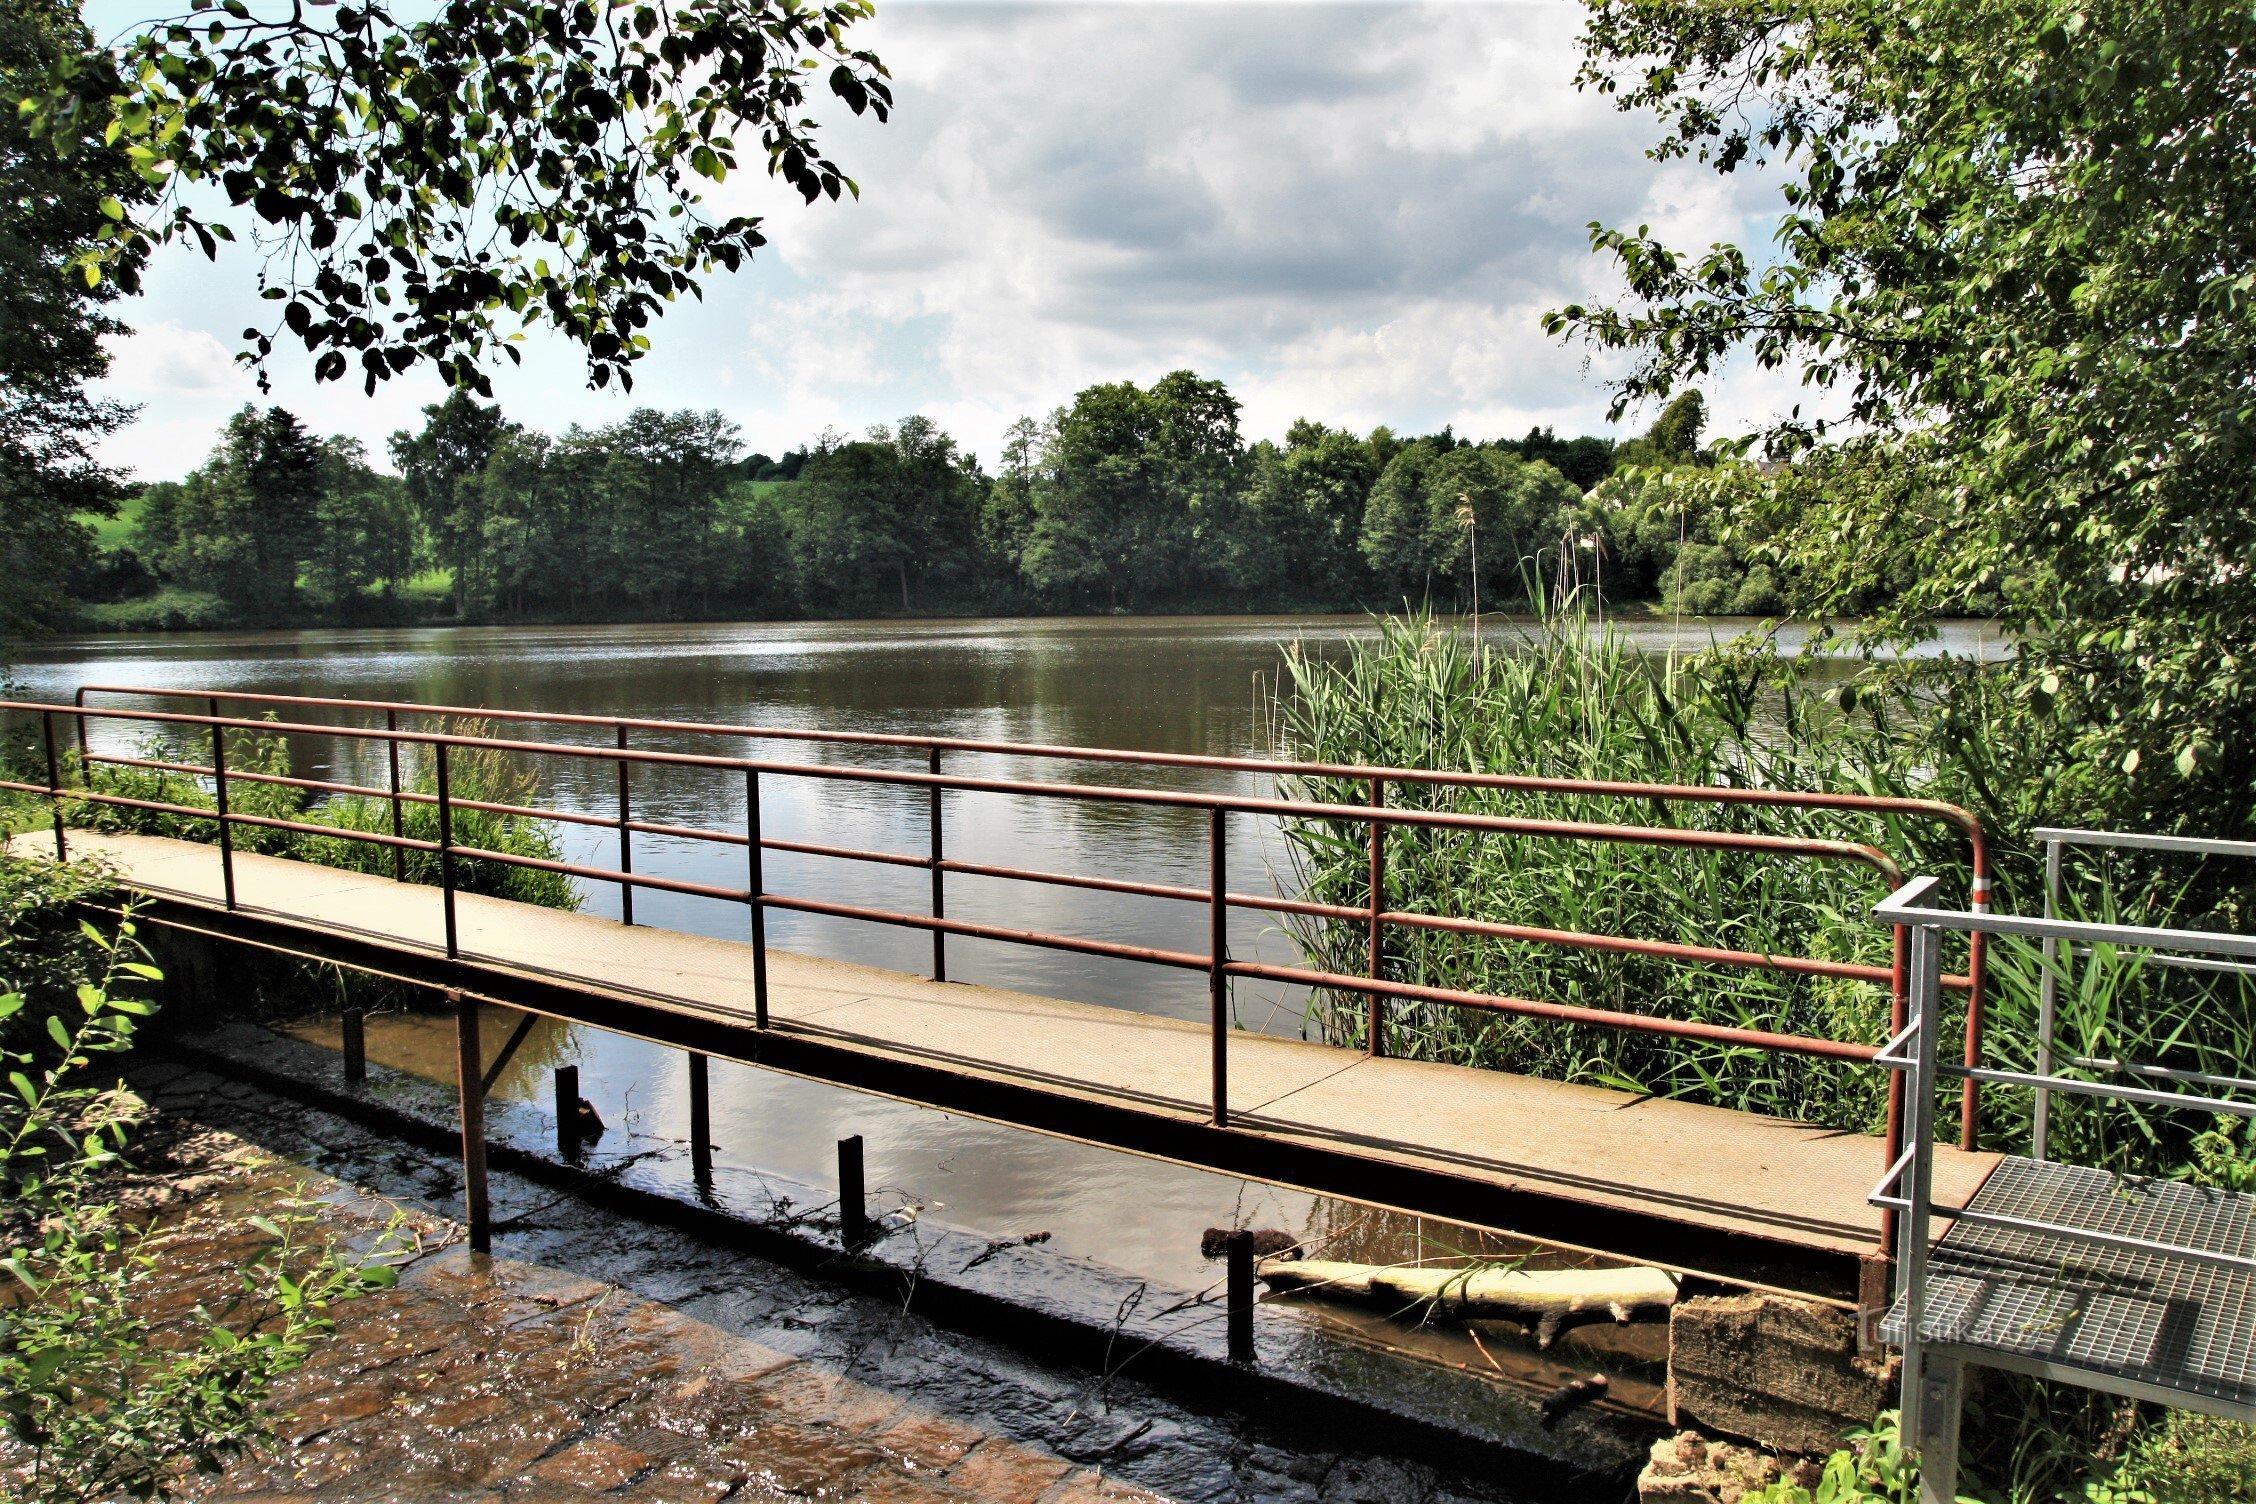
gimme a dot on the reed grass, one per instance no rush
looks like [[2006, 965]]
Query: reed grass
[[474, 773], [1576, 699]]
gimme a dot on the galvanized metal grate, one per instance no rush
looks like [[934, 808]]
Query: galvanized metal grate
[[2135, 1315]]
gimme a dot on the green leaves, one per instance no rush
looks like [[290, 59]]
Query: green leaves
[[2013, 265], [371, 149]]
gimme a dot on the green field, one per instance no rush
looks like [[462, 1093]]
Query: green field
[[116, 532]]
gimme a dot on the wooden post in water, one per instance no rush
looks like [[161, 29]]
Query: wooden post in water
[[471, 1072], [1239, 1252], [568, 1113], [700, 1124], [356, 1046], [853, 1211]]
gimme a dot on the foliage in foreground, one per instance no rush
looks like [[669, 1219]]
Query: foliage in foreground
[[102, 1395], [2016, 251], [2045, 1444]]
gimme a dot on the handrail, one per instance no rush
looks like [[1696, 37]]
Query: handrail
[[1377, 815], [1375, 777], [1914, 906]]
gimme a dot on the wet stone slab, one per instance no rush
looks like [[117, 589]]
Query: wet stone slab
[[549, 1371]]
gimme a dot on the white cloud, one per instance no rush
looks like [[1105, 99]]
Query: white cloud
[[1356, 212], [167, 359]]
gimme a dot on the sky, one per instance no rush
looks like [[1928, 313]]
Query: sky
[[1353, 212]]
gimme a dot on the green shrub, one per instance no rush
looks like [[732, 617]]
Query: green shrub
[[477, 774], [1575, 701], [102, 1393]]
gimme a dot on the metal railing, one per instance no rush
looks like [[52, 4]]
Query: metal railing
[[1379, 817], [1907, 1187], [2056, 840]]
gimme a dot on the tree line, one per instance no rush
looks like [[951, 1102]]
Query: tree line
[[1128, 498]]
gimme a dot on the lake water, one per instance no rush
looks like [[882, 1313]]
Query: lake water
[[1164, 684]]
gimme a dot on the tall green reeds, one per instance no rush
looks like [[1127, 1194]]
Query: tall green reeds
[[480, 774], [1575, 699]]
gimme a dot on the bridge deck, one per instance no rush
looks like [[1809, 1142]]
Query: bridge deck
[[1699, 1187]]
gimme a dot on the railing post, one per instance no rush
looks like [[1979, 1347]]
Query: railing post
[[54, 783], [219, 807], [85, 754], [700, 1124], [446, 848], [399, 812], [756, 886], [2048, 999], [1919, 1179], [626, 839], [1899, 1012], [939, 891], [1977, 967], [1218, 959], [1377, 959], [471, 1071]]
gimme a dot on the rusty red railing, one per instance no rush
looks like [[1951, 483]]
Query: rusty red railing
[[1377, 815]]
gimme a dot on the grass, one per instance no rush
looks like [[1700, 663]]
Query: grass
[[483, 774], [1576, 700], [117, 532]]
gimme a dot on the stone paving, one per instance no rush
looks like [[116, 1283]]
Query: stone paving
[[593, 1357]]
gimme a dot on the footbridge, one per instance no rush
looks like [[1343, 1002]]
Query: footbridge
[[1736, 1196]]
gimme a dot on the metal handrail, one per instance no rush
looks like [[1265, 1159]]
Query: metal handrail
[[1914, 906], [2055, 838], [1378, 816]]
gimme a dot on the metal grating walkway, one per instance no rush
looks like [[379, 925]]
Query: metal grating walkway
[[2140, 1323]]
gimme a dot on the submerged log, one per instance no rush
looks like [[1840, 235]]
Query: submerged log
[[1550, 1300]]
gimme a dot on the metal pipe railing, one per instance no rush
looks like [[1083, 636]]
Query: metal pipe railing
[[2056, 840], [1912, 1055], [1378, 817], [1376, 777]]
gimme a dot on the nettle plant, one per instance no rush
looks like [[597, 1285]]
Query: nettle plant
[[102, 1398]]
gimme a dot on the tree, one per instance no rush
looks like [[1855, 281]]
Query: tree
[[420, 188], [247, 521], [1302, 512], [441, 465], [1133, 499], [660, 480], [364, 528], [62, 188], [2018, 255]]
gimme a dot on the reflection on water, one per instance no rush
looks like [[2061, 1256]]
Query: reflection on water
[[1179, 685]]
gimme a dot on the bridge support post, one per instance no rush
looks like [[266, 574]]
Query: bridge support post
[[568, 1113], [700, 1124], [1942, 1391], [356, 1046], [1239, 1252], [470, 1070], [853, 1212]]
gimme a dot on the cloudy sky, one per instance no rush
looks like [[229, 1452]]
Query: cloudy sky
[[1352, 212]]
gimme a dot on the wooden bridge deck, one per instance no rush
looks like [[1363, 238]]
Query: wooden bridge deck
[[1695, 1187]]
